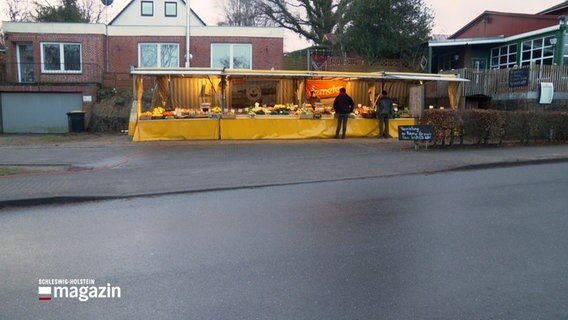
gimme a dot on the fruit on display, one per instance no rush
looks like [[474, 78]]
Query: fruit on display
[[216, 109], [158, 112], [146, 115], [277, 109]]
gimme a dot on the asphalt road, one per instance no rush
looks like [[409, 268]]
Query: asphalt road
[[486, 244]]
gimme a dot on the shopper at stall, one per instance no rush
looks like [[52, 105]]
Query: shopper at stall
[[343, 106], [383, 113], [313, 99]]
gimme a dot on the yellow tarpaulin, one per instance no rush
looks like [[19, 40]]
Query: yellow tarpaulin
[[178, 129], [293, 128], [454, 94], [303, 128], [268, 128]]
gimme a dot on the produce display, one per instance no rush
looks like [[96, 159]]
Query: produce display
[[288, 109], [366, 112], [177, 113]]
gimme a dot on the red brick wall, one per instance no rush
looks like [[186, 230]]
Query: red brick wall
[[123, 50], [267, 53], [92, 47], [123, 53]]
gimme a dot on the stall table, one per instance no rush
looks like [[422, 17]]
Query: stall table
[[176, 129], [260, 127], [266, 127]]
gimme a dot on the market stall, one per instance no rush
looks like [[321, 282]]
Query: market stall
[[198, 103]]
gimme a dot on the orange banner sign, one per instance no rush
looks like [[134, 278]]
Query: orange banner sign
[[324, 88]]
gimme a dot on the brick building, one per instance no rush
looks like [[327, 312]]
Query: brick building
[[53, 68], [508, 58]]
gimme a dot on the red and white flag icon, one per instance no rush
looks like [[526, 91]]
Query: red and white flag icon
[[44, 293]]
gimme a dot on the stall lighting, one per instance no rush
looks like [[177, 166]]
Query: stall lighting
[[431, 107]]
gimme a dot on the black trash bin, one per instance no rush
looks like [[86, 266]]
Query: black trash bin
[[76, 120]]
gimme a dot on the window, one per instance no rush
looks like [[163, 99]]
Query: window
[[538, 51], [447, 62], [158, 55], [504, 57], [147, 8], [170, 9], [478, 64], [232, 56], [61, 57]]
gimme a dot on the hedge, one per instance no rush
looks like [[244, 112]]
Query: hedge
[[491, 126]]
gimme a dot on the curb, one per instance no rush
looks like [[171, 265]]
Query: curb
[[58, 200]]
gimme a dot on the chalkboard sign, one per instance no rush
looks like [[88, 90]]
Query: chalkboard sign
[[420, 132], [518, 77]]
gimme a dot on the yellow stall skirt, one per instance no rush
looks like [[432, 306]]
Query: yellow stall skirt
[[176, 129], [271, 128], [258, 128], [394, 123]]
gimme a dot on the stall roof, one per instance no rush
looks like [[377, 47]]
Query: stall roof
[[381, 75]]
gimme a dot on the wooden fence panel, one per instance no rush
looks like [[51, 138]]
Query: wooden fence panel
[[489, 82]]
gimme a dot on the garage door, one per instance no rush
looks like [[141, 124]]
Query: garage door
[[37, 112]]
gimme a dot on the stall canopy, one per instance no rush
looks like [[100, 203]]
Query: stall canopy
[[227, 74], [323, 75]]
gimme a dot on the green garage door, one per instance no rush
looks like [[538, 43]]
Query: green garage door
[[37, 112]]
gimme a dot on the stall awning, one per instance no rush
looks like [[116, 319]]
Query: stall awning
[[424, 77], [188, 72], [298, 74]]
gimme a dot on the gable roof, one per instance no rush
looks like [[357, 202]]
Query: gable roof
[[132, 2], [552, 10], [490, 40], [487, 15]]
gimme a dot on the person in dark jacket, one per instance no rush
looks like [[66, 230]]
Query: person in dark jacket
[[383, 113], [343, 106]]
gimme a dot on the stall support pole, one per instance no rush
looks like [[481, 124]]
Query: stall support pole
[[223, 104], [139, 88]]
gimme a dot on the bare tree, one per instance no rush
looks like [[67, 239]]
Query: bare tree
[[245, 13], [18, 10], [92, 10], [312, 19]]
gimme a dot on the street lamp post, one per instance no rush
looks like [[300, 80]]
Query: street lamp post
[[187, 23]]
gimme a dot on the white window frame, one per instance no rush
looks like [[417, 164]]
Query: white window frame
[[61, 57], [151, 13], [507, 55], [231, 54], [174, 5], [159, 53], [538, 60]]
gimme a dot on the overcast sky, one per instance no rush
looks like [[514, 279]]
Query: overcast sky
[[450, 15]]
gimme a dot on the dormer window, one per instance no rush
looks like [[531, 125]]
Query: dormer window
[[170, 9], [147, 8]]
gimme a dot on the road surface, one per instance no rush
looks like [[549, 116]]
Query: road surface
[[485, 244]]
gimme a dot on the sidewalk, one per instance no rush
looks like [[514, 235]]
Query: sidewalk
[[108, 167]]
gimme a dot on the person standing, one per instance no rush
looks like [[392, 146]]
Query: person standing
[[343, 106], [313, 99], [383, 113]]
